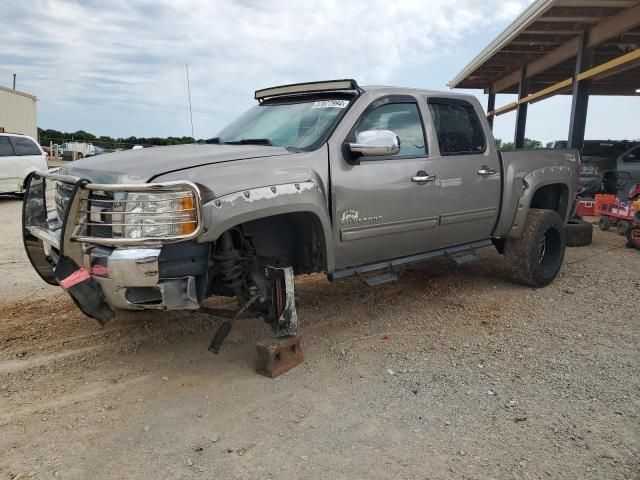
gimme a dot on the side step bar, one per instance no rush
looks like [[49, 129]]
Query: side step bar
[[411, 259], [380, 279], [464, 258]]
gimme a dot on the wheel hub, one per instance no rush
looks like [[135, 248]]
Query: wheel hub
[[542, 248]]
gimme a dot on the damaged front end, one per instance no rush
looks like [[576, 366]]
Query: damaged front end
[[113, 246], [133, 247]]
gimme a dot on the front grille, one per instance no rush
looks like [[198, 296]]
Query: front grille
[[101, 208]]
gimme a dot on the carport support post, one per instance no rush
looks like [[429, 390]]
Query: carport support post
[[580, 100], [491, 105], [521, 119]]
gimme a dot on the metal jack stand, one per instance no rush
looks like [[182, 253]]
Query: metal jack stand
[[282, 353]]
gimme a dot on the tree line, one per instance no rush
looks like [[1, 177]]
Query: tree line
[[49, 135], [528, 143]]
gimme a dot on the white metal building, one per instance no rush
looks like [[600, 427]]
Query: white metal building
[[18, 112]]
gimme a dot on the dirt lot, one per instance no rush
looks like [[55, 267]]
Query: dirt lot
[[452, 372]]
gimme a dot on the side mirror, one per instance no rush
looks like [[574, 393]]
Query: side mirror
[[375, 143]]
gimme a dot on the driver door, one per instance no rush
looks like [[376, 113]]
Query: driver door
[[383, 206]]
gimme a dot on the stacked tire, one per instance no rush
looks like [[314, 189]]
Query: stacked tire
[[578, 233]]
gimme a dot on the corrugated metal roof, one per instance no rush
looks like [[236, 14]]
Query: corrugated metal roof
[[531, 13], [18, 92], [545, 37]]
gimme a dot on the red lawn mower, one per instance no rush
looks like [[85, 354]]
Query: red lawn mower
[[633, 234], [620, 214]]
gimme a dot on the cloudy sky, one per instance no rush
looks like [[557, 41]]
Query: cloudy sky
[[118, 67]]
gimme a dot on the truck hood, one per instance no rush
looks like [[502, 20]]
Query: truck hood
[[141, 166]]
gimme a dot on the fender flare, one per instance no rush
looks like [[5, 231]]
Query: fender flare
[[535, 180]]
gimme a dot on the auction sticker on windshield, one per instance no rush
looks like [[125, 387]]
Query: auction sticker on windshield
[[331, 104]]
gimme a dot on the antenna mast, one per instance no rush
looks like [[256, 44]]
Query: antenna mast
[[190, 111]]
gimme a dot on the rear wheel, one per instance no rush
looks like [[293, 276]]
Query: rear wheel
[[622, 227], [633, 237], [536, 257], [604, 223]]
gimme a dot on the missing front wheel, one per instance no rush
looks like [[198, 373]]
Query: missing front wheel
[[276, 291]]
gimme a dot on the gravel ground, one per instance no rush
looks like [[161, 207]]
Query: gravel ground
[[452, 372]]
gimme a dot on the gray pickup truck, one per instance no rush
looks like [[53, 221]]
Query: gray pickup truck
[[318, 177], [609, 167]]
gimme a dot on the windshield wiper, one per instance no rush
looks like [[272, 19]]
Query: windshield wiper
[[251, 141]]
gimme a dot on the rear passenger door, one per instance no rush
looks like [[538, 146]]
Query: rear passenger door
[[470, 177]]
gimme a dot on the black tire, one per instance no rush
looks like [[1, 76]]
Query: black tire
[[535, 258], [604, 223], [578, 233], [622, 227], [633, 237]]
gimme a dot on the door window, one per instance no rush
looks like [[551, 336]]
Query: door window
[[458, 127], [25, 146], [6, 150], [403, 119]]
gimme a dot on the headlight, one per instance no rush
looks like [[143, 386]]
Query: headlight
[[588, 170], [161, 214]]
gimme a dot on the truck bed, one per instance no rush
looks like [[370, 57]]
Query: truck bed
[[549, 167]]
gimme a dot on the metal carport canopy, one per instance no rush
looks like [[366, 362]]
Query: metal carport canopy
[[577, 47]]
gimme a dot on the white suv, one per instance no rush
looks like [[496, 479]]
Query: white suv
[[19, 156]]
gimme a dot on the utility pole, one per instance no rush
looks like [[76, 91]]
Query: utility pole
[[14, 81], [190, 111]]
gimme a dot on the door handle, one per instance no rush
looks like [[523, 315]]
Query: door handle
[[485, 171], [423, 177]]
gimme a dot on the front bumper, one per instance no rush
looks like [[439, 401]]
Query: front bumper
[[132, 274], [172, 277]]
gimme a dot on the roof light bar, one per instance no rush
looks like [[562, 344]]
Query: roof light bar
[[311, 87]]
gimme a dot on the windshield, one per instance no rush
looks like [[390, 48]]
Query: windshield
[[291, 125]]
